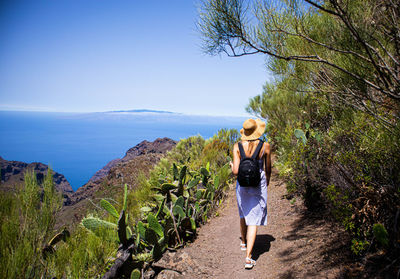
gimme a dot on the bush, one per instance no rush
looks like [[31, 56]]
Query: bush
[[28, 218], [181, 193]]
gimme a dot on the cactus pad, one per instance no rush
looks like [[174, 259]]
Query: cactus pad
[[94, 224], [107, 206], [136, 274], [154, 225]]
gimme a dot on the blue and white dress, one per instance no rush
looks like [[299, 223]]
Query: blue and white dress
[[252, 201]]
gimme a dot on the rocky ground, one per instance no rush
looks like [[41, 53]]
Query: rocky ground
[[295, 244]]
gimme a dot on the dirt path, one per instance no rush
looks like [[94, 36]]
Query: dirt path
[[293, 245]]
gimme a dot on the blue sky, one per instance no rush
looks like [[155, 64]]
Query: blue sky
[[97, 55]]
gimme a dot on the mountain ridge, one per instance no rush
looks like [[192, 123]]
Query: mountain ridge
[[12, 176], [108, 181], [143, 110]]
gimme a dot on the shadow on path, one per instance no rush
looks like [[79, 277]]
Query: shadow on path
[[262, 245], [316, 242]]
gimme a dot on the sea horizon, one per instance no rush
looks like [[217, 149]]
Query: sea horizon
[[77, 145], [138, 110]]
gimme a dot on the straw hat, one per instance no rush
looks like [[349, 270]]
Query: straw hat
[[252, 129]]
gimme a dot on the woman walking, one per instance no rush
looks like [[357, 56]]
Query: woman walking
[[251, 196]]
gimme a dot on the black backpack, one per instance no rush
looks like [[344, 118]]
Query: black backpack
[[249, 168]]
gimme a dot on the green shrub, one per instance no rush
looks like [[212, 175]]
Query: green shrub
[[359, 246], [179, 194], [381, 234], [84, 255], [28, 218]]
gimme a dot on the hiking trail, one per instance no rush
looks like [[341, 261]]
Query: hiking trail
[[294, 244]]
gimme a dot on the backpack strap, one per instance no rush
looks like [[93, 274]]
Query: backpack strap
[[242, 154], [255, 154], [263, 163]]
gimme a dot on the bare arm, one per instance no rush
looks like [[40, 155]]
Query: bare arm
[[267, 161], [236, 160]]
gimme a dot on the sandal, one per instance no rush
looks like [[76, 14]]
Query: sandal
[[250, 263], [243, 246]]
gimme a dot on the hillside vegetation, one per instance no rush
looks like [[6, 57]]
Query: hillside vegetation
[[163, 212], [333, 111], [333, 108]]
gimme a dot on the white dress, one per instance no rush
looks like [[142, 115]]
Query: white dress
[[252, 201]]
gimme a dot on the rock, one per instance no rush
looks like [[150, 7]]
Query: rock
[[104, 171], [160, 145], [149, 274], [109, 181], [120, 171], [178, 261], [12, 174], [169, 274]]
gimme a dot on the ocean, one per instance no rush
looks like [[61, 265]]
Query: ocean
[[79, 144]]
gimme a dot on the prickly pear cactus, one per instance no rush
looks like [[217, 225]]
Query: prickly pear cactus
[[94, 224], [58, 237], [49, 248], [122, 235], [167, 187], [180, 201], [216, 182], [135, 274], [150, 236], [125, 197], [193, 182], [107, 206], [182, 176], [175, 171], [154, 225], [178, 211]]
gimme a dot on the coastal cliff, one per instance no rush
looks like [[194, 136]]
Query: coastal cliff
[[105, 182], [12, 175], [159, 146], [108, 181]]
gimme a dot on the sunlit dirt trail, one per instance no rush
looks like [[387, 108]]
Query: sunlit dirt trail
[[294, 244]]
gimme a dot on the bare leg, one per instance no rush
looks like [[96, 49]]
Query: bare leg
[[251, 238], [243, 230]]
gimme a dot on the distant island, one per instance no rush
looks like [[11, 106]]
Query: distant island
[[142, 110]]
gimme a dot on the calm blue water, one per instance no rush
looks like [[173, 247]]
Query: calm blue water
[[77, 145]]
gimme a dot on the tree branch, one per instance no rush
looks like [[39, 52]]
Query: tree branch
[[321, 8]]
